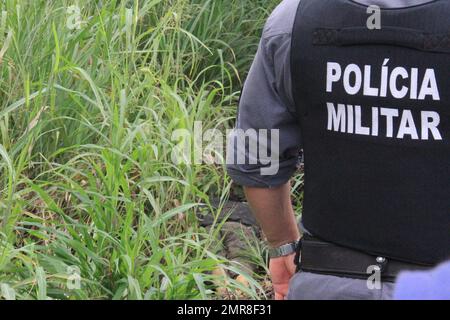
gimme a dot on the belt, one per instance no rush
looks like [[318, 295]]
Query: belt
[[321, 257]]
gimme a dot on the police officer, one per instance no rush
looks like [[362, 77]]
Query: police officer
[[362, 87]]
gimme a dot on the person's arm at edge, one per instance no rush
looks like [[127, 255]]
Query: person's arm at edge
[[273, 210], [266, 103]]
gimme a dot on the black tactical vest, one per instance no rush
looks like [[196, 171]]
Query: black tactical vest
[[374, 110]]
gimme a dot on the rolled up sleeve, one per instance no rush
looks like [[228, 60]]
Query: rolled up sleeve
[[267, 104]]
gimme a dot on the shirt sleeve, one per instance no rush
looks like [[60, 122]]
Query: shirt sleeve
[[267, 104], [431, 285]]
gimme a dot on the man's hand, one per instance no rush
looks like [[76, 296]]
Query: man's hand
[[282, 270]]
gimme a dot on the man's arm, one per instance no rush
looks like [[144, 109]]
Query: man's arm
[[267, 103], [273, 210]]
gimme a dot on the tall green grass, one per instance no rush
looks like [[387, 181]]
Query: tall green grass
[[86, 116]]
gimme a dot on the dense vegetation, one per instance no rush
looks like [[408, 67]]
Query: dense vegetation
[[87, 108]]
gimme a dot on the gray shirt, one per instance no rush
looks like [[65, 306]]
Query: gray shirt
[[267, 99]]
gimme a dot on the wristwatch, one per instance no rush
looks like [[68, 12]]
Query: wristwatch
[[284, 250]]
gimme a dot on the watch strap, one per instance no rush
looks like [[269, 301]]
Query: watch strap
[[284, 250]]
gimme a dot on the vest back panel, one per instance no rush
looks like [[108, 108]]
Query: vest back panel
[[374, 110]]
